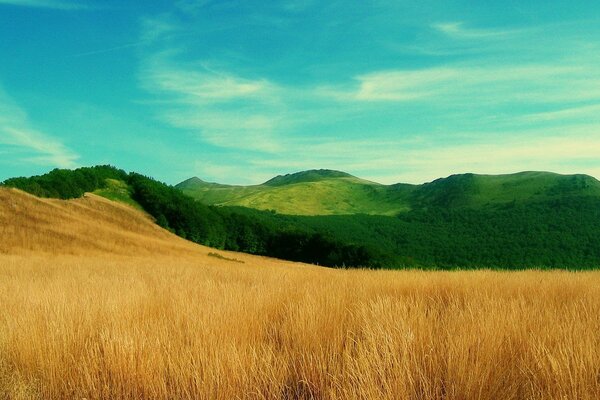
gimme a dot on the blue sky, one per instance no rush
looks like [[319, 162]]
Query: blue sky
[[240, 91]]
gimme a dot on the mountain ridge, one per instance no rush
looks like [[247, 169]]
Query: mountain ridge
[[330, 192], [528, 220]]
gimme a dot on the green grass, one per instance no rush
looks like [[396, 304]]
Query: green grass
[[222, 257], [117, 190], [306, 193], [324, 192]]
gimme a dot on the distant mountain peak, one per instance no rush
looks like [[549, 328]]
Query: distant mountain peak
[[311, 175], [195, 182], [193, 179]]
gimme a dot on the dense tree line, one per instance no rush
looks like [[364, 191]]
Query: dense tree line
[[67, 184], [557, 233]]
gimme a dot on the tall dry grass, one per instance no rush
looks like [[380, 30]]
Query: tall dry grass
[[176, 323]]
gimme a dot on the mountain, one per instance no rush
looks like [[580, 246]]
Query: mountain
[[524, 220], [314, 192], [327, 192], [211, 226]]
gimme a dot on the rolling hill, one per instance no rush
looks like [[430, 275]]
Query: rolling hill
[[87, 225], [525, 220], [327, 192], [94, 227], [98, 302], [180, 214], [316, 192]]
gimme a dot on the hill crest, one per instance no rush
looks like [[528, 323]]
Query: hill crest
[[312, 175], [330, 192]]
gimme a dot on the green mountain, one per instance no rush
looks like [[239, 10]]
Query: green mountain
[[524, 220], [315, 192], [327, 192], [217, 227]]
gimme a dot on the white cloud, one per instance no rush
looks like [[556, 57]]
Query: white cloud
[[459, 31], [153, 28], [414, 161], [28, 144], [194, 85], [403, 85], [490, 84], [225, 110]]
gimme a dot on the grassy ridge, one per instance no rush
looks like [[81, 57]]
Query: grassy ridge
[[117, 190], [324, 192], [320, 192], [526, 220], [197, 222]]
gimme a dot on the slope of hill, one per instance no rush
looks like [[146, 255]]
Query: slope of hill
[[180, 214], [325, 192], [90, 224], [526, 220], [476, 191], [99, 303], [315, 192]]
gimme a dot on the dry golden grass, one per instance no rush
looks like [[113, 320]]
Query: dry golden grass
[[98, 303]]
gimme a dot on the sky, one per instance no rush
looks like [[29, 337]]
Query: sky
[[240, 91]]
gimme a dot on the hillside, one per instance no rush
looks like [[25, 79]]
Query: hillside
[[92, 226], [87, 225], [210, 226], [315, 192], [525, 220], [100, 303], [325, 192]]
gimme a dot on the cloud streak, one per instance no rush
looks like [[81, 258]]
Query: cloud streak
[[533, 83], [222, 109], [486, 104], [28, 144], [458, 30]]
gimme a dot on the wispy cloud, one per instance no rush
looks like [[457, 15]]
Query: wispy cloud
[[109, 49], [417, 162], [51, 4], [28, 144], [203, 84], [580, 113], [403, 85], [223, 109], [481, 104], [492, 84], [458, 30]]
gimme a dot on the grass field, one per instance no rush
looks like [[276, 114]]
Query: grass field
[[99, 303]]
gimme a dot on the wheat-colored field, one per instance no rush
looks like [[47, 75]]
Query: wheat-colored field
[[98, 303]]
